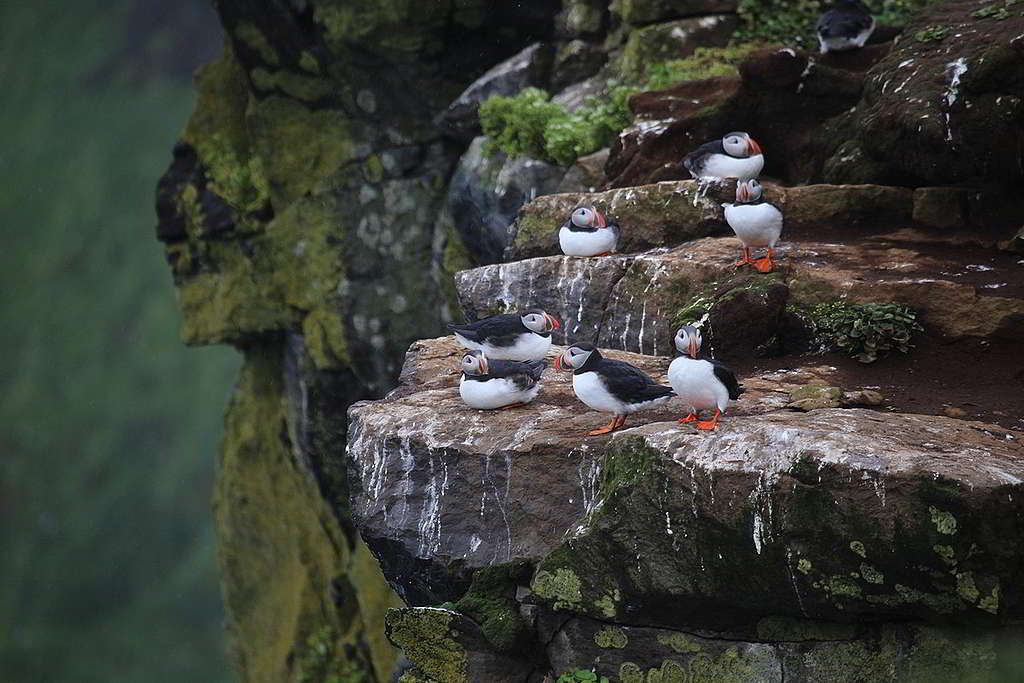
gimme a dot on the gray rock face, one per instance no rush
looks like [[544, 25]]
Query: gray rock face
[[530, 67], [486, 192]]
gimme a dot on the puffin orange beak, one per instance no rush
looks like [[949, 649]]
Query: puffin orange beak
[[554, 321], [753, 147], [693, 348], [599, 219], [558, 363], [483, 364]]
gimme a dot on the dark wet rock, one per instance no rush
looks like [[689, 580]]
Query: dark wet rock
[[586, 175], [530, 67], [485, 193], [673, 40], [649, 11], [576, 61], [782, 98], [941, 207], [939, 112]]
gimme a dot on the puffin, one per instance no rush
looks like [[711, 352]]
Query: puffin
[[588, 233], [611, 386], [756, 222], [737, 155], [702, 384], [489, 384], [525, 335], [846, 26]]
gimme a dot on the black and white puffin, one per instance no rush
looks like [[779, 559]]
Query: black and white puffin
[[488, 384], [846, 26], [611, 386], [702, 384], [510, 336], [588, 233], [737, 155], [756, 222]]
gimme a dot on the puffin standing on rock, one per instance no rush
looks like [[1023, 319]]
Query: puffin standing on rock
[[756, 222], [588, 233], [846, 26], [737, 155], [611, 386], [702, 384], [510, 336], [488, 384]]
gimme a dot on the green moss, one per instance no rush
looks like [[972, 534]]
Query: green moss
[[679, 642], [946, 553], [324, 335], [870, 574], [562, 587], [990, 603], [611, 637], [945, 523], [490, 602], [251, 36], [705, 62], [843, 587], [858, 547], [239, 180], [427, 639], [606, 604], [309, 62], [300, 86], [932, 34], [322, 661], [966, 588]]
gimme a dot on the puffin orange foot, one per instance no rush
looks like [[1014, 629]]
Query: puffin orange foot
[[744, 262], [764, 265], [692, 417], [707, 424], [602, 430], [603, 253]]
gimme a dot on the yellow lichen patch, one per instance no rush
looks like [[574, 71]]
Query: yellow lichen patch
[[858, 547], [562, 586], [611, 637], [679, 642]]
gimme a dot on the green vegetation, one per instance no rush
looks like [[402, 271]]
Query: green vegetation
[[999, 12], [932, 34], [705, 62], [110, 425], [792, 23], [581, 676], [491, 603], [320, 662], [865, 331]]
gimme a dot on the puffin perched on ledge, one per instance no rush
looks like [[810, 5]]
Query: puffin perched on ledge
[[756, 222], [846, 26], [702, 384], [588, 233], [510, 336], [611, 386], [488, 384], [737, 155]]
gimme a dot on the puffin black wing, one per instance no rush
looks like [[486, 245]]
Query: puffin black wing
[[497, 326], [630, 384], [694, 161], [726, 377], [524, 374], [844, 21], [613, 225]]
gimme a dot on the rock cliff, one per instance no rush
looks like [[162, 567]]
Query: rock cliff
[[333, 202]]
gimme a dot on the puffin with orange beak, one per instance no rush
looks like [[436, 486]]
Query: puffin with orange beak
[[510, 336], [702, 384], [611, 386], [489, 384], [737, 155], [756, 222], [588, 233]]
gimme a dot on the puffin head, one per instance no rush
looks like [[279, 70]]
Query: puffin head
[[575, 356], [538, 321], [688, 341], [474, 363], [748, 191], [587, 217], [740, 145]]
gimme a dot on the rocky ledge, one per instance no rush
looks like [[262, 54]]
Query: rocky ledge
[[761, 547]]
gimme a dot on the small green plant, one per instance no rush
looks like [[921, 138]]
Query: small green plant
[[516, 124], [705, 62], [997, 12], [932, 34], [581, 676], [865, 331]]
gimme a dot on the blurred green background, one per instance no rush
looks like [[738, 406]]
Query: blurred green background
[[108, 424]]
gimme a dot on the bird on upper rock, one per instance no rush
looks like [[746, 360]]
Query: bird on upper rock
[[588, 233], [525, 335], [847, 25], [702, 384], [488, 384], [756, 222], [737, 155], [611, 386]]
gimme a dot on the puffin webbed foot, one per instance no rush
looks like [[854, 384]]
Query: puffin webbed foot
[[616, 422], [709, 424], [692, 417], [764, 265]]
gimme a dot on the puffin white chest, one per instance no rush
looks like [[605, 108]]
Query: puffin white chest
[[591, 390], [696, 384], [757, 225], [840, 43], [725, 166], [527, 346], [584, 243], [494, 393]]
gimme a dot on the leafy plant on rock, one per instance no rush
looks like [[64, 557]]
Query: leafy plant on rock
[[866, 332], [581, 676], [705, 62]]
